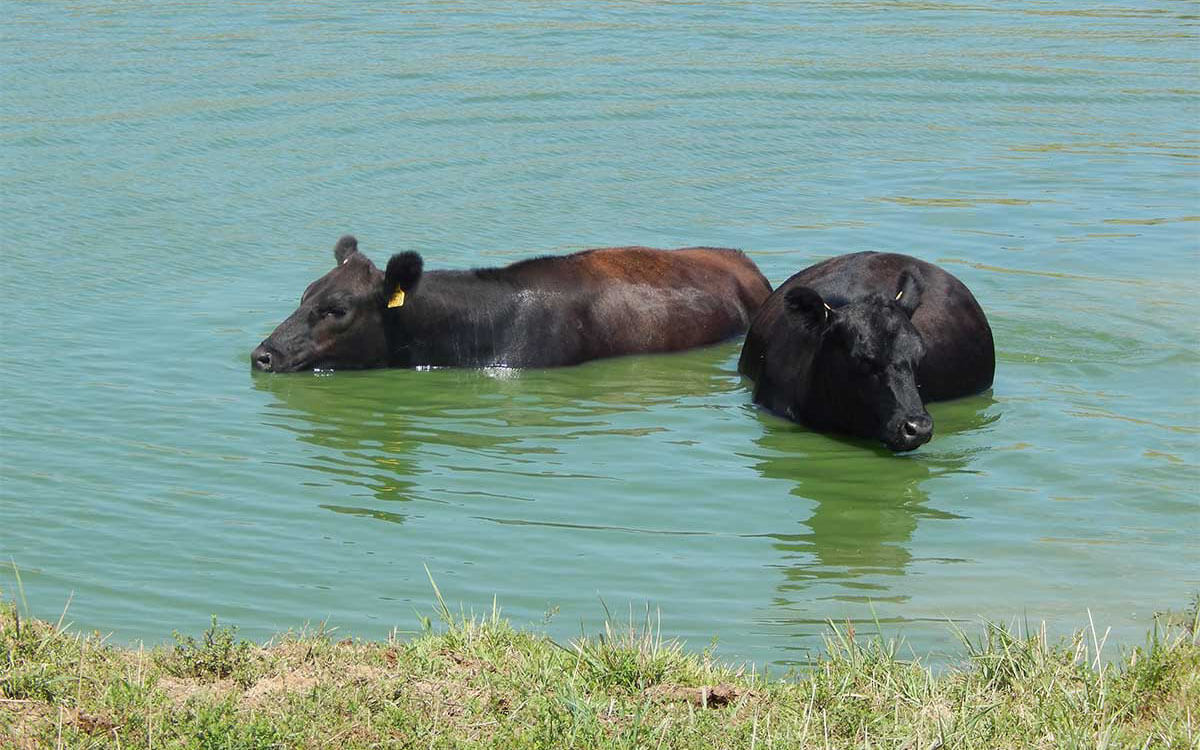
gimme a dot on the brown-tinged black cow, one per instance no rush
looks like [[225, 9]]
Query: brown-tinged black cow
[[858, 344], [543, 312]]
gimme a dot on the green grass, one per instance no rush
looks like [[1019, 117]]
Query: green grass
[[476, 682]]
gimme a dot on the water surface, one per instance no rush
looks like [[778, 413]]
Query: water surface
[[175, 174]]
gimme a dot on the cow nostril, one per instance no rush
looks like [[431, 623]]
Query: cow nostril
[[262, 359], [911, 434], [917, 428]]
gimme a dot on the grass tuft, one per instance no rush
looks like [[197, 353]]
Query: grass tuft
[[217, 654], [631, 656]]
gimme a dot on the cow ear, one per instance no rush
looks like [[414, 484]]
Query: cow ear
[[805, 304], [344, 248], [403, 273], [908, 292]]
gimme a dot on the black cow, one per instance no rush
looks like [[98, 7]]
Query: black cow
[[858, 344], [542, 312]]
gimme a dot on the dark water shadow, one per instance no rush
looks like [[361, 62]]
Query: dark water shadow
[[867, 503]]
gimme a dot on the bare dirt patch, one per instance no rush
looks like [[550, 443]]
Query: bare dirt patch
[[705, 696], [274, 685], [468, 664], [22, 716], [180, 689]]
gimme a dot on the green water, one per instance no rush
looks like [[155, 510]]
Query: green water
[[175, 174]]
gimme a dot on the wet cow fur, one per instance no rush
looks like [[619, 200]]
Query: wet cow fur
[[542, 312], [858, 345]]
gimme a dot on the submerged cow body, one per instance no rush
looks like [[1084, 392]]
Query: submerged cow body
[[858, 344], [543, 312]]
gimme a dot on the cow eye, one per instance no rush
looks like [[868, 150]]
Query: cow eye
[[334, 312]]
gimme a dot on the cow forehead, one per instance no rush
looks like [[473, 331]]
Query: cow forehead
[[351, 277], [878, 329], [867, 319]]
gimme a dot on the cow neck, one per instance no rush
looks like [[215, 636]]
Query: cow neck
[[451, 319]]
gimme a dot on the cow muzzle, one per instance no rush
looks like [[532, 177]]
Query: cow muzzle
[[911, 433]]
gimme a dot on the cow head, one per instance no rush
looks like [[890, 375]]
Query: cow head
[[340, 323], [862, 378]]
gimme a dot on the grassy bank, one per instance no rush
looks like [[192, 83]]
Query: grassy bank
[[476, 682]]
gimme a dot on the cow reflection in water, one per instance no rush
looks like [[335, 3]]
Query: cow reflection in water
[[477, 425], [355, 441], [868, 505]]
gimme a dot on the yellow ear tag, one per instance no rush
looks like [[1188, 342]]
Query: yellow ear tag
[[397, 299]]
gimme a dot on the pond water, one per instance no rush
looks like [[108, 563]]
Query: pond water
[[174, 174]]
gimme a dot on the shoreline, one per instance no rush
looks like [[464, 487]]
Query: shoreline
[[471, 681]]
